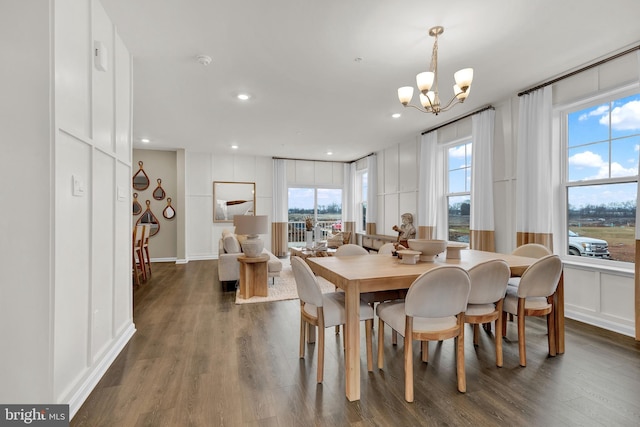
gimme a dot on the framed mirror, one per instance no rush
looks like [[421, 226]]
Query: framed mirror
[[233, 198]]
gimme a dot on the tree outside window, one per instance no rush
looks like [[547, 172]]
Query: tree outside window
[[459, 191]]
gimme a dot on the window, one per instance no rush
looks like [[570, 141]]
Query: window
[[322, 205], [459, 191], [362, 189], [601, 163]]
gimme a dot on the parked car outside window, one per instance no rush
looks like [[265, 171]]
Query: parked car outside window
[[587, 246]]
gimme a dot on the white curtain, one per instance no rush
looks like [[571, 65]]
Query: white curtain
[[348, 193], [534, 196], [482, 125], [372, 189], [431, 204], [280, 191]]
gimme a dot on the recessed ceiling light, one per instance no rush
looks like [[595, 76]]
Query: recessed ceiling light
[[243, 96], [234, 146], [145, 140], [396, 115], [329, 153]]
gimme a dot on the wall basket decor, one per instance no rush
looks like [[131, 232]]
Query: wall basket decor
[[169, 212], [137, 207], [159, 193], [140, 179], [149, 218]]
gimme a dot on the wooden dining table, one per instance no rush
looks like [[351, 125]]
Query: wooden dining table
[[371, 273]]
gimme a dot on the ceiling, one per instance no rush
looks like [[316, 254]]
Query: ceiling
[[309, 92]]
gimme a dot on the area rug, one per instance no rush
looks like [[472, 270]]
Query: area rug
[[283, 288]]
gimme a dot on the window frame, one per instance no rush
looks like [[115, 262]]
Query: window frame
[[561, 114]]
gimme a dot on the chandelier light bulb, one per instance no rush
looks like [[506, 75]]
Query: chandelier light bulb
[[405, 94], [464, 77], [425, 81]]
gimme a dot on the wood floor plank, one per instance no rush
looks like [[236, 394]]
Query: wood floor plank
[[198, 359]]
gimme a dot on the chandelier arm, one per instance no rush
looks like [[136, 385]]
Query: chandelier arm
[[422, 110], [452, 102]]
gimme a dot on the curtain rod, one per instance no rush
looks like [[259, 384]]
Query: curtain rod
[[488, 107], [573, 73], [328, 161]]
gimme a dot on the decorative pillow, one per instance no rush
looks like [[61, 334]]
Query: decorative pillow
[[231, 244]]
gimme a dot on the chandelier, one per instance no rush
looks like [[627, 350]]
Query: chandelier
[[427, 83]]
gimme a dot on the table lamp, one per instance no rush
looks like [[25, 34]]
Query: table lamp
[[252, 226]]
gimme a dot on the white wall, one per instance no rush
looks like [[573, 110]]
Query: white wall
[[66, 308], [202, 234]]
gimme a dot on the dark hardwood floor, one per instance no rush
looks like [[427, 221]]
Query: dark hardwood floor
[[198, 359]]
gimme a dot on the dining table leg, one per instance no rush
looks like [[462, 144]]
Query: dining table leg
[[352, 343]]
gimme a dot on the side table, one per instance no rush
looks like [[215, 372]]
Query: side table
[[253, 276]]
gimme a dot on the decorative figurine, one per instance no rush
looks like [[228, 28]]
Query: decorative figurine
[[405, 232]]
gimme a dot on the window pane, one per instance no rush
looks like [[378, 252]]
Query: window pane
[[330, 208], [589, 125], [457, 181], [624, 156], [459, 210], [601, 221], [589, 162], [625, 116]]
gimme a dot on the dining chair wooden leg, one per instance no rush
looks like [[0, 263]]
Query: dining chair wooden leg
[[424, 349], [521, 339], [408, 359], [368, 326], [394, 337], [504, 324], [320, 345], [462, 379], [498, 337], [380, 344], [476, 334], [311, 333], [303, 328]]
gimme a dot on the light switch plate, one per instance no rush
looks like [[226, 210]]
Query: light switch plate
[[78, 185]]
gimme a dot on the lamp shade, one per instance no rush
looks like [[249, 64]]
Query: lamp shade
[[251, 224]]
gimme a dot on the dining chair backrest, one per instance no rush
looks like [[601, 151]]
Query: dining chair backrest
[[440, 292], [488, 281], [532, 250], [138, 236], [386, 249], [351, 249], [306, 282], [146, 233], [541, 278]]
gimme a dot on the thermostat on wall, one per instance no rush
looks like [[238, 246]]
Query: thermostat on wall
[[100, 56]]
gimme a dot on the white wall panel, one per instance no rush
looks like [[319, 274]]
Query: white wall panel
[[615, 300], [408, 166], [582, 289], [122, 101], [25, 172], [244, 169], [102, 252], [391, 170], [72, 261], [199, 174], [122, 303], [323, 173], [72, 61], [102, 81], [200, 238], [264, 177], [391, 214], [304, 173], [407, 202]]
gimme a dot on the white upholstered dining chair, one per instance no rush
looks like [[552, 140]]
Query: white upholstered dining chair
[[534, 297], [351, 249], [488, 286], [323, 311], [531, 250], [433, 310]]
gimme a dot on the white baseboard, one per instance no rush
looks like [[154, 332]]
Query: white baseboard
[[600, 322], [85, 389]]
